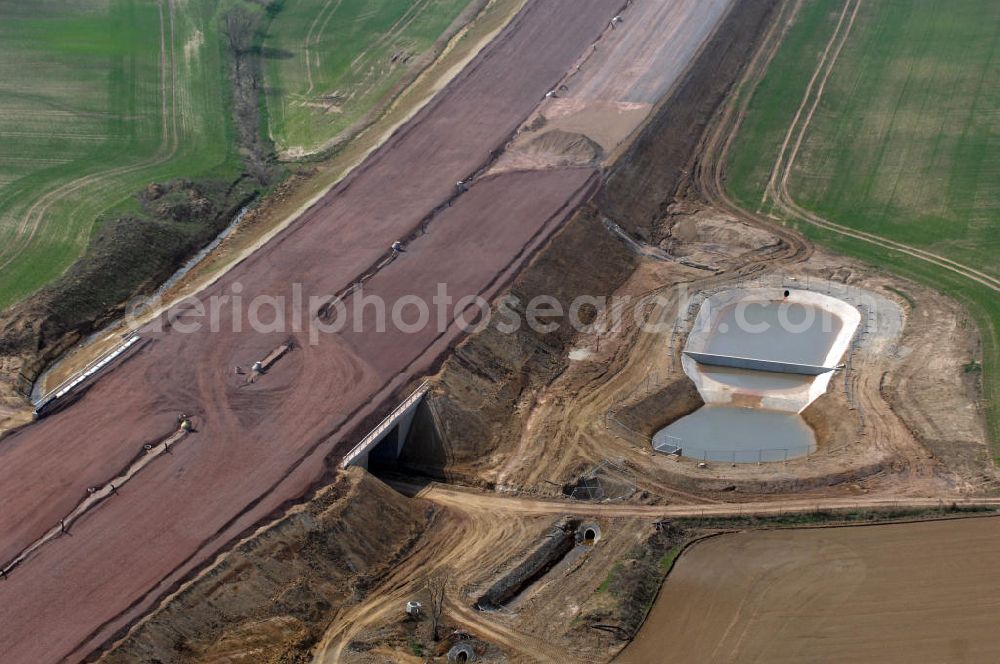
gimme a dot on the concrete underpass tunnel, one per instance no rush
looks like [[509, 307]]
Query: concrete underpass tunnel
[[588, 533], [387, 447], [386, 452], [400, 439]]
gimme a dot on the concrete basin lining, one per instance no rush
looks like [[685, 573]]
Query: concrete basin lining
[[737, 435], [717, 306], [725, 387], [711, 434]]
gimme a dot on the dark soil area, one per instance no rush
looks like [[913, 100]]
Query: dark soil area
[[634, 582], [556, 544], [644, 183], [662, 407]]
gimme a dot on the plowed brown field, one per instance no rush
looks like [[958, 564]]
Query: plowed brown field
[[911, 592]]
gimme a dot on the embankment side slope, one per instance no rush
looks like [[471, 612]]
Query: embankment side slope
[[584, 259], [273, 594]]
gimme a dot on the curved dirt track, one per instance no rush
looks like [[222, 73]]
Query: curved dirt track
[[707, 174], [777, 187], [259, 446]]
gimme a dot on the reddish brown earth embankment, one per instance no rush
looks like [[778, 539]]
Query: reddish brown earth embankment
[[259, 446]]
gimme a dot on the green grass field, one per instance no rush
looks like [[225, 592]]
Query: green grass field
[[328, 63], [905, 143], [97, 99]]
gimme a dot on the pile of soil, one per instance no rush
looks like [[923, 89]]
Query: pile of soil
[[554, 148]]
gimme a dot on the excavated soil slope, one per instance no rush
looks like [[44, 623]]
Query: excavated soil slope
[[271, 597], [476, 411]]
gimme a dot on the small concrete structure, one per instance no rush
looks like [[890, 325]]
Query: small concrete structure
[[462, 652], [588, 533], [754, 364], [385, 442], [814, 377]]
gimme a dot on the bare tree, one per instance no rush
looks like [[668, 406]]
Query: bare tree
[[240, 24], [437, 586]]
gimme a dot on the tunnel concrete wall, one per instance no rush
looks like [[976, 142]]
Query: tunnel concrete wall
[[385, 442]]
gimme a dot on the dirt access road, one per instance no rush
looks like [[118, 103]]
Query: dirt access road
[[777, 187], [469, 499], [258, 446], [478, 531], [896, 593]]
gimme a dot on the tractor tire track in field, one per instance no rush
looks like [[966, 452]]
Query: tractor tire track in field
[[315, 60], [35, 218], [839, 34], [778, 190], [707, 170], [315, 40], [401, 24]]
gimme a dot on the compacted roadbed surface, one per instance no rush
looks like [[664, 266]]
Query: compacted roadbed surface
[[258, 445]]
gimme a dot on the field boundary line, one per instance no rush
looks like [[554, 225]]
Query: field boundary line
[[776, 169]]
